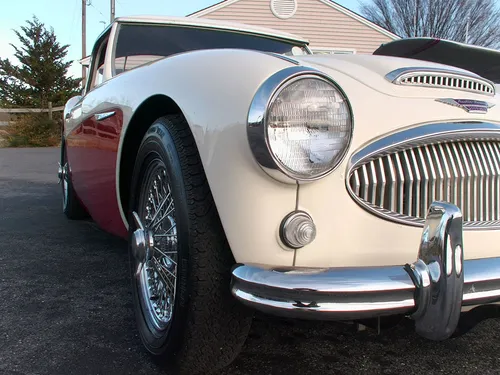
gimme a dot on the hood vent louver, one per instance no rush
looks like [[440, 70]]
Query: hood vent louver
[[441, 79]]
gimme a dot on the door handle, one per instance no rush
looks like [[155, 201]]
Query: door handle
[[104, 115]]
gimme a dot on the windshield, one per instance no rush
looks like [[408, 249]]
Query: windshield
[[140, 44]]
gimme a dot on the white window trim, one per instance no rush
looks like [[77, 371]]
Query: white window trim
[[332, 49]]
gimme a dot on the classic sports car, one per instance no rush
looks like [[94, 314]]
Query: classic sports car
[[248, 174]]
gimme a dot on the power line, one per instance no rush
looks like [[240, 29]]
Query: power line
[[73, 21], [92, 5]]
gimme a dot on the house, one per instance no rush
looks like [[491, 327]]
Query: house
[[329, 27]]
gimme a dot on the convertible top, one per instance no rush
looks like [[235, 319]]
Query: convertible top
[[214, 24], [482, 61]]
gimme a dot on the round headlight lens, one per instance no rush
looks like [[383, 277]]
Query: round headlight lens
[[309, 127]]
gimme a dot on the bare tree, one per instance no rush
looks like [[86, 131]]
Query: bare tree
[[469, 21]]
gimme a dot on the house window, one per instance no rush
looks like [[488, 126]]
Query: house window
[[333, 51]]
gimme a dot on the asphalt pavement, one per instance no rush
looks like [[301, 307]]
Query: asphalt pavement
[[66, 306]]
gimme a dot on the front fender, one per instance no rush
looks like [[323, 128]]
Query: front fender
[[214, 90]]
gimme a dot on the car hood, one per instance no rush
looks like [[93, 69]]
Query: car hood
[[371, 70]]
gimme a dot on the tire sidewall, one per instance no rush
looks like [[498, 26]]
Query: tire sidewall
[[159, 142], [64, 160]]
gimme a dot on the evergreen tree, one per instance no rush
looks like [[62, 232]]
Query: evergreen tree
[[41, 75]]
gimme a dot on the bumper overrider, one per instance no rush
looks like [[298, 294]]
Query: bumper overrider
[[432, 290]]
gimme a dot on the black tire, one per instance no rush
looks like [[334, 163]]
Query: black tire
[[208, 326], [72, 207]]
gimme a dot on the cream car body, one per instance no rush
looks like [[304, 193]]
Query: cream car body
[[354, 250]]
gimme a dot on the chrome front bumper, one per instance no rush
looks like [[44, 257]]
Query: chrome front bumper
[[432, 290]]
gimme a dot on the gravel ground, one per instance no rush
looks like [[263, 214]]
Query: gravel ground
[[65, 304]]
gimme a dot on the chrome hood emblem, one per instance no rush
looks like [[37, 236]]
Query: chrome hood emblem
[[469, 105]]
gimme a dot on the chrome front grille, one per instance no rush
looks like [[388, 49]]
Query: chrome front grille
[[443, 79], [401, 184]]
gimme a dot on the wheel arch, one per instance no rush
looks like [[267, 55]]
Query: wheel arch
[[146, 113]]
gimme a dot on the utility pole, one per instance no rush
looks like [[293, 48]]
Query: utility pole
[[112, 11], [84, 39]]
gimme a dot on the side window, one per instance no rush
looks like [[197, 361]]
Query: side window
[[97, 67]]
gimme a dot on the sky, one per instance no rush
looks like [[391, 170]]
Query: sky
[[64, 16]]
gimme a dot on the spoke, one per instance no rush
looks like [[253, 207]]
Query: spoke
[[160, 220], [155, 188], [163, 267], [167, 234], [159, 208], [159, 269], [166, 256], [168, 252]]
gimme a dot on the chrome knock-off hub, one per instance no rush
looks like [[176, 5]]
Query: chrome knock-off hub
[[142, 243], [60, 174]]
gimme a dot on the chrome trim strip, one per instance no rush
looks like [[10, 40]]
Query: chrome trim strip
[[432, 290], [442, 78], [104, 115], [256, 124], [282, 57], [415, 136]]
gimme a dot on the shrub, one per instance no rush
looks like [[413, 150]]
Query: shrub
[[34, 130]]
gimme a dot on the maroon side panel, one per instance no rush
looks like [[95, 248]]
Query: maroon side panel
[[92, 154]]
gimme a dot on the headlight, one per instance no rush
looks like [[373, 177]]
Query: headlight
[[306, 125]]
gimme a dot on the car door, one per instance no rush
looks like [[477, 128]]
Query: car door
[[93, 145]]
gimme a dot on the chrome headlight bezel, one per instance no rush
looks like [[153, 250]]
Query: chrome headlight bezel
[[257, 122]]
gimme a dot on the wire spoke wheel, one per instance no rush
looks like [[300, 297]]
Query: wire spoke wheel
[[180, 257], [72, 206], [157, 266]]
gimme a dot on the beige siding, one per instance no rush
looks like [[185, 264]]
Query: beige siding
[[321, 24]]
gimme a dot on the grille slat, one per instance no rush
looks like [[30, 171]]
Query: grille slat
[[408, 192], [496, 179], [400, 184], [465, 174], [392, 185], [489, 188], [382, 182], [365, 183], [406, 181]]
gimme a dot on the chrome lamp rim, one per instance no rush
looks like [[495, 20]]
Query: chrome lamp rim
[[257, 136]]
